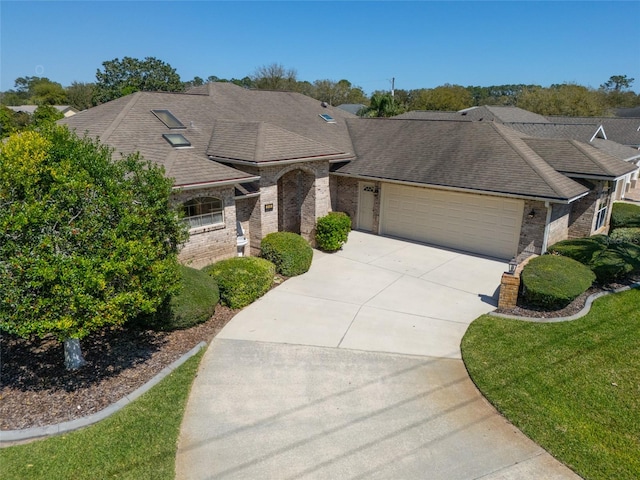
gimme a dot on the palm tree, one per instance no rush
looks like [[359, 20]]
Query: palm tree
[[381, 105]]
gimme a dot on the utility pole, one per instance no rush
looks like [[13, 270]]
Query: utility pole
[[393, 85]]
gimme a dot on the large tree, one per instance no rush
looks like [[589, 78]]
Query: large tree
[[565, 99], [381, 105], [122, 77], [274, 77], [88, 240], [80, 95], [337, 93], [446, 97]]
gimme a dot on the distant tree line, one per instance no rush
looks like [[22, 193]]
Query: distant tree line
[[120, 77]]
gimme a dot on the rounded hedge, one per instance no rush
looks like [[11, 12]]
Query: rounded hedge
[[332, 231], [626, 234], [609, 259], [289, 252], [553, 281], [242, 280], [625, 215], [193, 304]]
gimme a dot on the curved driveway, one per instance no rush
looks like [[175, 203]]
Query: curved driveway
[[353, 371]]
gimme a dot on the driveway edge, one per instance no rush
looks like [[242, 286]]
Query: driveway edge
[[575, 316], [8, 437]]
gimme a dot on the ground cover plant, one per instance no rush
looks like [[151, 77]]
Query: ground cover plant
[[332, 231], [552, 281], [626, 234], [138, 442], [242, 280], [572, 387], [289, 252]]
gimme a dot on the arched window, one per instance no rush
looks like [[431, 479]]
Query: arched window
[[203, 211]]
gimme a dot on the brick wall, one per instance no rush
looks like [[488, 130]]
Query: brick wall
[[347, 197], [209, 244], [534, 218], [559, 223]]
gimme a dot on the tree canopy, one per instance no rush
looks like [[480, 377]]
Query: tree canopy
[[87, 241], [122, 77]]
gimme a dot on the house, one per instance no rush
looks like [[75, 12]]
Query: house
[[66, 110], [248, 162]]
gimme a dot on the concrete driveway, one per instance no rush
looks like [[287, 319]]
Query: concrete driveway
[[353, 371]]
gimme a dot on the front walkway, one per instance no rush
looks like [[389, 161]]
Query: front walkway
[[353, 371]]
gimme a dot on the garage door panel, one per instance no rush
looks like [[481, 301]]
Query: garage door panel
[[476, 223]]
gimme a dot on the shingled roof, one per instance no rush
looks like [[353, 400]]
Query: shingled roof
[[284, 125], [625, 131], [474, 156]]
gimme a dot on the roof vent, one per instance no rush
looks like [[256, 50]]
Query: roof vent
[[324, 104]]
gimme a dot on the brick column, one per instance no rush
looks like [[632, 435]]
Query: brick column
[[509, 286]]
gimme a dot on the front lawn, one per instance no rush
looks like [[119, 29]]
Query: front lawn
[[138, 442], [572, 387]]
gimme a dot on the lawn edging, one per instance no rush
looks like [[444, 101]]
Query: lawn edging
[[575, 316], [8, 437]]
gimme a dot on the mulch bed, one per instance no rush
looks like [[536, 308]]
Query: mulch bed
[[36, 389], [524, 310]]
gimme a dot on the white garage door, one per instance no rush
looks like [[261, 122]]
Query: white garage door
[[475, 223]]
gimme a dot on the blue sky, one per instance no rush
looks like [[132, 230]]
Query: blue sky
[[422, 44]]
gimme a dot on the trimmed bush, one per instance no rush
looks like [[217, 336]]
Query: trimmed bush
[[584, 250], [626, 234], [332, 231], [609, 260], [242, 280], [625, 215], [553, 281], [193, 304], [289, 252]]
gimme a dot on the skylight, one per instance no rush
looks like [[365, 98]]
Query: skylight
[[168, 119], [176, 139], [327, 118]]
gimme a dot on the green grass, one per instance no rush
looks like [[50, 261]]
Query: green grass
[[573, 387], [138, 442]]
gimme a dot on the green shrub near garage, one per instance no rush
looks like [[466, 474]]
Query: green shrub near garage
[[242, 280], [625, 215], [626, 234], [332, 231], [553, 281], [289, 252], [609, 260]]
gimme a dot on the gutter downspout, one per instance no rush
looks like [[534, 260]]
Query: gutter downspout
[[545, 239]]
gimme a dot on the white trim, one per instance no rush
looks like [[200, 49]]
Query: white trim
[[223, 183], [545, 237], [599, 130]]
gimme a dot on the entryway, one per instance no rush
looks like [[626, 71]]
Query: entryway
[[297, 202]]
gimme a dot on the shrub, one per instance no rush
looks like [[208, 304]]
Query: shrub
[[194, 303], [584, 250], [625, 215], [242, 280], [289, 252], [552, 281], [332, 231], [609, 260], [626, 234]]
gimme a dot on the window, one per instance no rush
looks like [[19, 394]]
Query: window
[[176, 140], [204, 211], [166, 117], [601, 216]]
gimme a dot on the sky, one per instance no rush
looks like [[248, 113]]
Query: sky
[[417, 44]]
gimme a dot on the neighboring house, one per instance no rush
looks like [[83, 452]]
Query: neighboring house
[[619, 137], [66, 110], [248, 162], [352, 108]]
